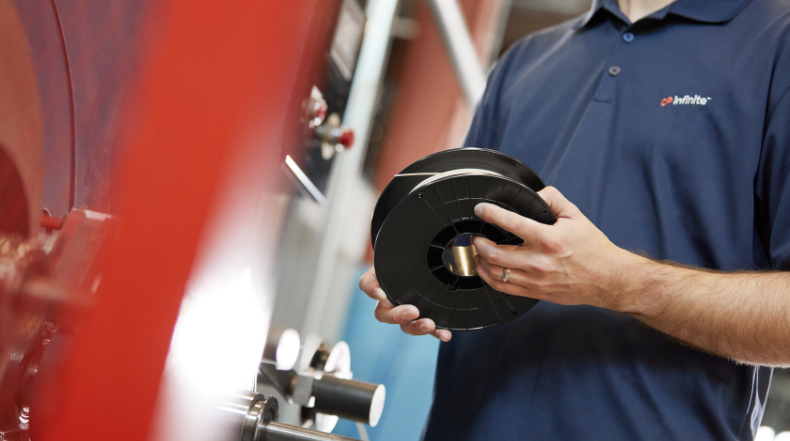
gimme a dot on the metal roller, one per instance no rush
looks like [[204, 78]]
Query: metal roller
[[325, 390], [256, 419], [275, 431], [350, 399]]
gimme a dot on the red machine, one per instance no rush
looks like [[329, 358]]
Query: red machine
[[152, 135]]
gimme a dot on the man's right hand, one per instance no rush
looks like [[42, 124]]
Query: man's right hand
[[403, 315]]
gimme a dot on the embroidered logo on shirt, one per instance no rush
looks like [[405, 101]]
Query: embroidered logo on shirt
[[687, 100]]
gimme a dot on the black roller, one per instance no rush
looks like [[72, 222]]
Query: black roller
[[430, 205], [350, 399]]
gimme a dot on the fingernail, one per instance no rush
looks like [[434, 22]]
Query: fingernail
[[479, 209], [381, 295], [424, 328]]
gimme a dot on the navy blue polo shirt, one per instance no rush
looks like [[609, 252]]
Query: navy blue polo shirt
[[672, 134]]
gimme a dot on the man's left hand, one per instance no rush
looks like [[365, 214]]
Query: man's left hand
[[741, 316], [570, 263]]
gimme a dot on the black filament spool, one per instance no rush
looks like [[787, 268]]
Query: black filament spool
[[412, 227]]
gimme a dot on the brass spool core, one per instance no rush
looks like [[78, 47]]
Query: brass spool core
[[459, 256]]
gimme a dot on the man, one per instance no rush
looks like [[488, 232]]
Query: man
[[667, 124]]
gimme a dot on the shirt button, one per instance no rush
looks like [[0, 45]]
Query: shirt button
[[614, 71], [628, 37]]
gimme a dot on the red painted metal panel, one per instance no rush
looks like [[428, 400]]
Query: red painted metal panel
[[41, 26], [102, 43], [20, 120], [220, 84]]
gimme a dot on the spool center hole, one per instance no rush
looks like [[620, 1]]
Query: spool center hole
[[458, 256]]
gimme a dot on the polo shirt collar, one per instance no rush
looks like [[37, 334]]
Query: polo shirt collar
[[705, 11]]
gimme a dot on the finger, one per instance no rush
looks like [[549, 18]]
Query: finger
[[507, 288], [398, 315], [509, 256], [517, 276], [487, 271], [422, 326], [482, 265], [426, 326], [523, 227], [370, 286], [443, 334], [558, 203], [368, 283]]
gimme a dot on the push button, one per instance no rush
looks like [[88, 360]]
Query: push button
[[628, 37], [614, 71]]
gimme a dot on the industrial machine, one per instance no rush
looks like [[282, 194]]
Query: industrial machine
[[148, 152], [324, 388]]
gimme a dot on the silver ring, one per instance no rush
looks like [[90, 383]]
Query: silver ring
[[506, 275]]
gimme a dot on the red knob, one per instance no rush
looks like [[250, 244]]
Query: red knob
[[49, 222], [319, 111], [346, 139]]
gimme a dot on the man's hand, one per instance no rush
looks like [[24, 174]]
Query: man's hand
[[403, 315], [570, 263], [744, 316]]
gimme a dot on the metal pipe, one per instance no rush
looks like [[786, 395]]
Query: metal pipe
[[499, 25], [470, 73], [275, 431], [255, 419]]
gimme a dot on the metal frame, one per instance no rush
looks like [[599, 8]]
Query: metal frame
[[470, 73], [360, 111]]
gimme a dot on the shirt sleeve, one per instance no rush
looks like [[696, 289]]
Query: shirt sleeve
[[772, 185], [485, 124]]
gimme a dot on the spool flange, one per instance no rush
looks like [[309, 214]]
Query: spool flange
[[421, 214]]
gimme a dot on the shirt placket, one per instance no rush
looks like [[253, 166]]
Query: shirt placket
[[616, 66]]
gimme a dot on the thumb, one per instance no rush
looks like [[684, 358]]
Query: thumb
[[561, 206]]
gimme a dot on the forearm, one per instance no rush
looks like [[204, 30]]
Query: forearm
[[742, 316]]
